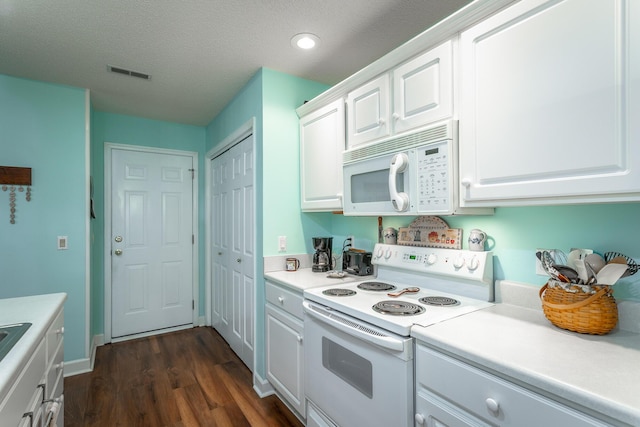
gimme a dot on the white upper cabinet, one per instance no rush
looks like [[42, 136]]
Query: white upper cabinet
[[422, 94], [321, 146], [368, 112], [549, 104], [423, 89]]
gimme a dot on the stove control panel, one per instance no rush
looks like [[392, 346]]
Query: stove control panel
[[412, 258], [463, 264]]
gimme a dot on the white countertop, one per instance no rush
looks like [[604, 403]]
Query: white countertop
[[599, 373], [38, 310], [304, 278]]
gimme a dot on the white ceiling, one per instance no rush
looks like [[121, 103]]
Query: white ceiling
[[200, 53]]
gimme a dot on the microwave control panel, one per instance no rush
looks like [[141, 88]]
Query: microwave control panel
[[433, 162]]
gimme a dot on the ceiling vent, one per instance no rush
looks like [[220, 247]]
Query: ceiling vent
[[131, 73]]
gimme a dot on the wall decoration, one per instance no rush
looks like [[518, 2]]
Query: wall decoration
[[430, 231], [12, 179]]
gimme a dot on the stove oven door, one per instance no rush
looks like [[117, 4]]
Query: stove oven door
[[355, 373]]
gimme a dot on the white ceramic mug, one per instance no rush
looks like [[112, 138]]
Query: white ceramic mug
[[476, 240], [390, 236]]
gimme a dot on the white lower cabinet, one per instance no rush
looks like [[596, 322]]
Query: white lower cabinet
[[36, 397], [284, 345], [451, 393]]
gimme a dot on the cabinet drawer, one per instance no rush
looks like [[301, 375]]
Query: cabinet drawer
[[489, 397], [289, 301]]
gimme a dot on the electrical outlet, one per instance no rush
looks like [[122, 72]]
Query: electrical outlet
[[63, 243], [352, 240], [583, 252]]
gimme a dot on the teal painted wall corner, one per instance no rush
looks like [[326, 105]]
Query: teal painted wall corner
[[43, 127]]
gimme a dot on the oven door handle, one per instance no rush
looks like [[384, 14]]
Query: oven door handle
[[352, 328]]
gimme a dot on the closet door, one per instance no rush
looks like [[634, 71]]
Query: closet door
[[233, 257]]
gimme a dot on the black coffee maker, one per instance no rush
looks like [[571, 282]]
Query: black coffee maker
[[322, 258]]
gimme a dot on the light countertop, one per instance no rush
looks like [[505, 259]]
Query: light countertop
[[40, 311], [304, 278], [598, 373]]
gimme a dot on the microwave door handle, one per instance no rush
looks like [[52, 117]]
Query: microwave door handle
[[400, 200]]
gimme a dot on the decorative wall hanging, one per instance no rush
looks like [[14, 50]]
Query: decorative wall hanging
[[430, 231], [12, 179]]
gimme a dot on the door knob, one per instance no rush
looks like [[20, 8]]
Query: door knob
[[239, 260], [118, 239], [118, 252]]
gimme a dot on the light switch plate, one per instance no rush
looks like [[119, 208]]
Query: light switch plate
[[63, 243]]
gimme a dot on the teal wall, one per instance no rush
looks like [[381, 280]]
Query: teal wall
[[271, 97], [42, 126], [281, 175], [135, 131], [516, 232]]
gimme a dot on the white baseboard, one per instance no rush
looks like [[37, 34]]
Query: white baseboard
[[261, 386], [82, 366], [75, 367]]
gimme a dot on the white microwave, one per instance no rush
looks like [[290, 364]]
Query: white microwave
[[412, 174]]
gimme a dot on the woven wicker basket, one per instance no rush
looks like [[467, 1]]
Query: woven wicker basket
[[587, 313]]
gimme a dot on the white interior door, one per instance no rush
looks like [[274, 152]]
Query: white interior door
[[220, 244], [152, 241], [233, 282]]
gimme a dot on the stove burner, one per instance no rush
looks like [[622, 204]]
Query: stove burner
[[398, 308], [337, 292], [376, 286], [439, 301]]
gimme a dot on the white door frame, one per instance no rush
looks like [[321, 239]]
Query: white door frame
[[248, 128], [108, 148]]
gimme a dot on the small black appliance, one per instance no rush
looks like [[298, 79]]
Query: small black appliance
[[322, 260]]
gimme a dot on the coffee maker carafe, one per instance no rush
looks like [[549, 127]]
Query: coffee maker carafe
[[322, 258]]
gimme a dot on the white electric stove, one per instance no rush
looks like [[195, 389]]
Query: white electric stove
[[450, 282], [358, 346]]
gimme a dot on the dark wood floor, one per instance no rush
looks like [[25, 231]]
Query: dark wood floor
[[180, 379]]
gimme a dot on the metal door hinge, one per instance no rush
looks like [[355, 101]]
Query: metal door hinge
[[193, 173], [193, 239], [193, 304]]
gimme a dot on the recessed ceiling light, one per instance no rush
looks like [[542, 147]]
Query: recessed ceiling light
[[305, 41]]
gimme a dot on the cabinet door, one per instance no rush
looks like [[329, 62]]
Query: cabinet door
[[423, 89], [284, 353], [368, 112], [321, 147], [431, 411], [545, 113]]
